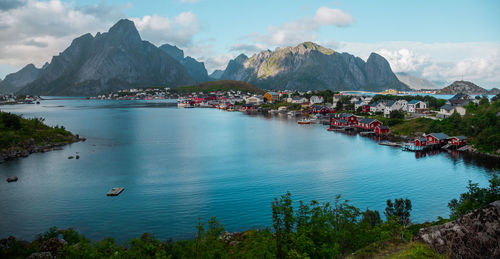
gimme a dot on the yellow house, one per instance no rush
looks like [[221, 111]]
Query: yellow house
[[271, 96]]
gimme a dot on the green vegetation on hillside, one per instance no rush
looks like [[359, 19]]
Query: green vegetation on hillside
[[221, 85], [481, 124], [16, 132]]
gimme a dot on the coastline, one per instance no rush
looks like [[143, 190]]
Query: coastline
[[30, 147]]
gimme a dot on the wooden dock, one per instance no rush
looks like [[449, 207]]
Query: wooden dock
[[115, 191]]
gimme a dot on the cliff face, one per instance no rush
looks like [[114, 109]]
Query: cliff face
[[195, 69], [309, 66], [111, 61], [475, 235]]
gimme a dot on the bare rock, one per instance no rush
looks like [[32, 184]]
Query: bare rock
[[41, 255], [475, 235], [70, 157], [77, 157], [53, 245]]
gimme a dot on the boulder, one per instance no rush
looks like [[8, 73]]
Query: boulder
[[475, 235], [12, 179], [77, 157], [70, 157], [53, 245]]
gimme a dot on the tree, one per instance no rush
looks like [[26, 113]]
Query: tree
[[283, 222], [397, 114], [399, 210]]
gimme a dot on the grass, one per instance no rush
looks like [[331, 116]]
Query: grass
[[396, 250]]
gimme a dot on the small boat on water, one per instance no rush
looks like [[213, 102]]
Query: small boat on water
[[115, 191], [304, 121]]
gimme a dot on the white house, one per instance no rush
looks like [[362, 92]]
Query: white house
[[359, 104], [447, 110], [377, 107], [297, 100], [254, 100], [316, 99], [413, 105], [399, 105]]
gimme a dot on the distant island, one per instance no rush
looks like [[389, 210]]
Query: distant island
[[466, 87]]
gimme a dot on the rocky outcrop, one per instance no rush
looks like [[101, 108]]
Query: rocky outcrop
[[195, 69], [309, 66], [16, 81], [29, 147], [110, 61], [475, 235], [466, 87]]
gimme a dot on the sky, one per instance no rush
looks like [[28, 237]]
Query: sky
[[442, 41]]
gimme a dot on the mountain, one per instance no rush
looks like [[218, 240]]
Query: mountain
[[466, 87], [415, 82], [15, 81], [118, 59], [216, 74], [309, 66], [194, 68]]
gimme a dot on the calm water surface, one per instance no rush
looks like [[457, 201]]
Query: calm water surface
[[180, 164]]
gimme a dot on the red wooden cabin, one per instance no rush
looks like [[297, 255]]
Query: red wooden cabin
[[382, 130]]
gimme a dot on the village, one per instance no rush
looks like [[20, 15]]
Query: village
[[342, 112]]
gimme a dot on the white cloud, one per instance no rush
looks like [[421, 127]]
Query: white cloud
[[304, 29], [404, 60], [179, 30]]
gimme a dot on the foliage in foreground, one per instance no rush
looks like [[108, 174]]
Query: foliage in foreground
[[309, 230], [15, 131]]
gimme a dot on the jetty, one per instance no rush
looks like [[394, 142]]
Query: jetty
[[115, 191]]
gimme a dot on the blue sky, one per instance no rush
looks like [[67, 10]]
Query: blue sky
[[439, 40]]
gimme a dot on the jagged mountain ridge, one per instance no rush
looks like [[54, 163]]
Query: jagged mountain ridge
[[216, 74], [115, 60], [309, 66], [196, 69]]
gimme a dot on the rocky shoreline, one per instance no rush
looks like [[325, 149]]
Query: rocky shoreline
[[30, 147]]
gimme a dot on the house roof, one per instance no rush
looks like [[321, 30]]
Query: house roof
[[414, 101], [272, 93], [421, 139], [342, 121], [367, 120], [440, 136], [382, 127], [447, 107], [390, 103], [460, 137], [458, 96]]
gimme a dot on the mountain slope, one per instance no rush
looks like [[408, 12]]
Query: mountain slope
[[309, 66], [217, 74], [196, 69], [414, 82], [115, 60], [15, 81], [465, 87]]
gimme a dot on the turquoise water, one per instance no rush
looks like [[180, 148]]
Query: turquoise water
[[180, 164]]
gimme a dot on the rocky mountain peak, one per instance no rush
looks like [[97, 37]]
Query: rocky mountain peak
[[173, 51], [124, 30], [465, 87], [241, 58]]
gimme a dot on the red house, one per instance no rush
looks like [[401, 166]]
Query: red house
[[365, 108], [340, 123], [382, 130], [420, 142], [458, 140], [437, 138], [352, 119], [368, 123]]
